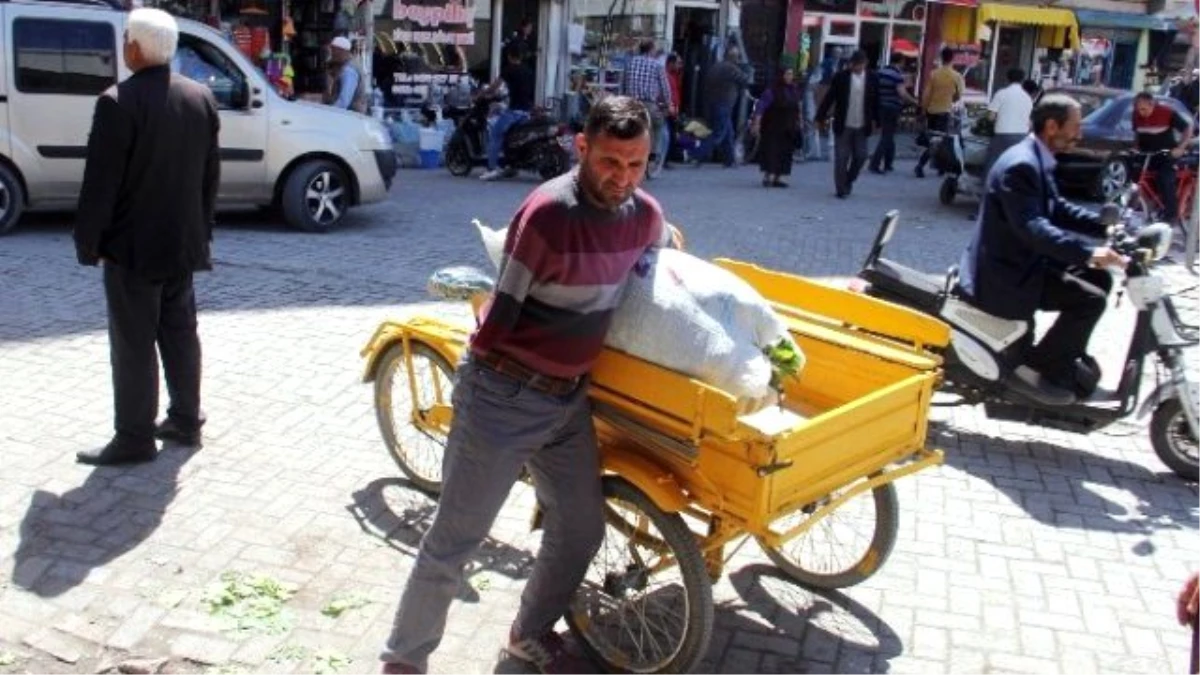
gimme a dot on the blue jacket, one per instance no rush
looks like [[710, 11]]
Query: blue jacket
[[1026, 230]]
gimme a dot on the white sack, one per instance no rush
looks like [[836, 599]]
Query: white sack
[[693, 317]]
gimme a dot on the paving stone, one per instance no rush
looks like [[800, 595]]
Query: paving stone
[[202, 648]]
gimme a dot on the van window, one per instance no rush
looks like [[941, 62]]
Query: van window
[[64, 57], [200, 61]]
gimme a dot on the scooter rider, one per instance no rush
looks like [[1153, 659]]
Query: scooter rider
[[1031, 251], [520, 80]]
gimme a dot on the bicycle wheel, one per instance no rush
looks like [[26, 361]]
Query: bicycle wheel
[[846, 546], [415, 428], [646, 604]]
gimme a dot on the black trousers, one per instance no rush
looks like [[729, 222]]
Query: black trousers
[[1080, 298], [1164, 181], [935, 122], [885, 149], [144, 315]]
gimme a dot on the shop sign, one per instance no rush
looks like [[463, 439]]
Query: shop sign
[[429, 20], [419, 84], [966, 55]]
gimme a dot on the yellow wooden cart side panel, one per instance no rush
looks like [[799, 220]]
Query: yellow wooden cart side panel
[[853, 339], [856, 309], [842, 444], [833, 375]]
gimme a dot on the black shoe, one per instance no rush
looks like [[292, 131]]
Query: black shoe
[[876, 171], [842, 195], [888, 169], [779, 183], [115, 454], [920, 172], [171, 431]]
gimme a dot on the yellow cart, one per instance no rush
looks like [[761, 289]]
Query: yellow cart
[[685, 474]]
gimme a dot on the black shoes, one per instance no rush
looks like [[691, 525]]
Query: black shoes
[[115, 454], [171, 431], [920, 172]]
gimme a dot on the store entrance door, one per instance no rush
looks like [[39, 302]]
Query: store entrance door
[[694, 33], [873, 41]]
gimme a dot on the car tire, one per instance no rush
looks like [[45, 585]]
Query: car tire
[[316, 196], [1112, 179], [12, 199]]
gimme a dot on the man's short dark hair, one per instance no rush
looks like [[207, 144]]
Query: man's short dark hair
[[897, 59], [1143, 96], [646, 47], [1016, 76], [947, 56], [1055, 107], [858, 57], [621, 117]]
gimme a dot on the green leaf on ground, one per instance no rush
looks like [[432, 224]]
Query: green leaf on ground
[[343, 603], [481, 582], [328, 661], [7, 658], [251, 602], [290, 652]]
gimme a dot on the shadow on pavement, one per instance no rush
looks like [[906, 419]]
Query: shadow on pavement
[[65, 537], [798, 630], [398, 513], [1070, 488]]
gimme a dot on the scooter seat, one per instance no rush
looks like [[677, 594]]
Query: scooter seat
[[919, 281]]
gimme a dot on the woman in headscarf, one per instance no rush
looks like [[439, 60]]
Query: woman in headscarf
[[776, 120]]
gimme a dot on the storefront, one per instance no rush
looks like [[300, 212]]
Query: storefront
[[287, 39], [1113, 46], [994, 37]]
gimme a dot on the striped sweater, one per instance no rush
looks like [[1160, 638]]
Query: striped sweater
[[564, 269]]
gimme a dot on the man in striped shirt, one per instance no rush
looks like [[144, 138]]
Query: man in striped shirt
[[521, 395], [893, 94]]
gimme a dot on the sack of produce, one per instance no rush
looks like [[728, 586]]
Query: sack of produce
[[693, 317]]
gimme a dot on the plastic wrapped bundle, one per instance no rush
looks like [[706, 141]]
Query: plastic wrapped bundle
[[459, 283], [693, 317]]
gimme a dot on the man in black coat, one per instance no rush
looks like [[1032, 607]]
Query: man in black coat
[[854, 96], [1029, 238], [145, 215]]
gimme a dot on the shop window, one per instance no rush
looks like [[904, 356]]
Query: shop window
[[199, 61], [831, 6], [432, 51], [77, 58]]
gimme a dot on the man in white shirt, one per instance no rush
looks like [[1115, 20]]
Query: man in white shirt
[[1011, 109]]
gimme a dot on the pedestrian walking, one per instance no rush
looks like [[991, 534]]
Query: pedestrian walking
[[1011, 109], [645, 79], [893, 95], [521, 395], [944, 89], [722, 86], [854, 97], [146, 214], [776, 121]]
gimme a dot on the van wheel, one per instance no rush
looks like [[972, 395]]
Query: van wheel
[[316, 196], [12, 199]]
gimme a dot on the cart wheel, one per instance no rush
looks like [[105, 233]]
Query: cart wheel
[[846, 546], [949, 191], [646, 604], [1173, 440], [412, 430]]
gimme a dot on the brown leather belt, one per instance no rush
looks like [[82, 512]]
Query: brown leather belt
[[555, 386]]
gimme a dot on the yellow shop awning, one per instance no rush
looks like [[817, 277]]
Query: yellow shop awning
[[1058, 27]]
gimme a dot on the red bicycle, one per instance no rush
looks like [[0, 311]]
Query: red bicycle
[[1150, 203]]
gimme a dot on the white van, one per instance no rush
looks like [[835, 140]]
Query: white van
[[311, 161]]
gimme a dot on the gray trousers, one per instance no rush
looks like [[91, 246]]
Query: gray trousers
[[499, 425], [849, 156]]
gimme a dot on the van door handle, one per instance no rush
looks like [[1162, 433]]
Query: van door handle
[[256, 103]]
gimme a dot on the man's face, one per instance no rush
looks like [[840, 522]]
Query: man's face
[[338, 55], [1144, 107], [610, 169], [1064, 137], [858, 67]]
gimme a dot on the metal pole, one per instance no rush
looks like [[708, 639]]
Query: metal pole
[[1193, 220], [497, 37], [992, 66]]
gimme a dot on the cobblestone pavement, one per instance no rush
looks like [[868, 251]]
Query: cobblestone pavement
[[1028, 551]]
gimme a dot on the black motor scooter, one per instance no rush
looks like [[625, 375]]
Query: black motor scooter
[[983, 363], [538, 144]]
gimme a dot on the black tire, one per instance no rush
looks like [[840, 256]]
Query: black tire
[[316, 196], [608, 588], [419, 453], [12, 199], [863, 565], [948, 191], [552, 161], [458, 157], [1173, 440]]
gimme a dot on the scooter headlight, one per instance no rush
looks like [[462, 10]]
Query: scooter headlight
[[1157, 238]]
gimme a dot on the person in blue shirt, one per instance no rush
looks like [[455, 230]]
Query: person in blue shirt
[[348, 86]]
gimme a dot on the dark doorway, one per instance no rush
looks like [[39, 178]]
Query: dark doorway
[[695, 33]]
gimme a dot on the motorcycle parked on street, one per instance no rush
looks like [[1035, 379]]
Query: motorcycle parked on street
[[538, 144], [984, 359]]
